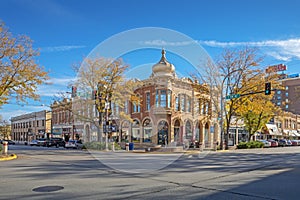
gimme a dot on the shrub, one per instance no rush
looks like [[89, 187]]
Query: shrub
[[242, 145], [100, 146], [250, 145]]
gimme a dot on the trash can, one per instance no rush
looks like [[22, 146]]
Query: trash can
[[131, 146], [127, 146]]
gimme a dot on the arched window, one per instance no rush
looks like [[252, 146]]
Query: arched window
[[147, 128], [177, 131], [188, 131], [163, 130], [135, 131], [125, 131]]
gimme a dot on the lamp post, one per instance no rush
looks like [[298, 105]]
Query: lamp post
[[222, 107]]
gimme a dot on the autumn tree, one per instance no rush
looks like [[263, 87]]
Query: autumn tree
[[106, 77], [256, 109], [226, 76], [5, 128], [20, 75]]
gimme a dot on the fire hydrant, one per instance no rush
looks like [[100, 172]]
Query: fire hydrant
[[5, 147]]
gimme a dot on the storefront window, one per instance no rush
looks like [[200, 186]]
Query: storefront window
[[147, 125], [163, 133], [135, 131], [188, 131]]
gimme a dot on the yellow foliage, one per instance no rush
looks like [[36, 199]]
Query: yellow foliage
[[20, 75]]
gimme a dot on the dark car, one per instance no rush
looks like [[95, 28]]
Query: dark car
[[9, 142], [57, 142], [282, 142]]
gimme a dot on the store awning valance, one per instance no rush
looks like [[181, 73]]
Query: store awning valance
[[273, 130]]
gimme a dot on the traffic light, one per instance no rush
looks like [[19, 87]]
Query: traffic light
[[267, 88], [94, 95], [74, 91]]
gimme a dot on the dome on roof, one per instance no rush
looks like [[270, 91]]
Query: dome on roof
[[163, 67]]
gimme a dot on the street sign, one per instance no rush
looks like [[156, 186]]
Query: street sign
[[233, 96]]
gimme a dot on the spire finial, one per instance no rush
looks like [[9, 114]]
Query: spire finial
[[163, 56]]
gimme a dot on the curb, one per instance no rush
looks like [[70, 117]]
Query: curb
[[9, 157]]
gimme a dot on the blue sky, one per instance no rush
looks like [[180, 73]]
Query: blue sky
[[67, 31]]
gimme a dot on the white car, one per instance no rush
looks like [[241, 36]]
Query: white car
[[75, 144], [71, 144], [33, 143], [266, 143]]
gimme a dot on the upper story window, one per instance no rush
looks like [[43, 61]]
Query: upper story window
[[188, 104], [169, 98], [177, 103], [148, 105], [136, 106], [163, 98], [182, 102]]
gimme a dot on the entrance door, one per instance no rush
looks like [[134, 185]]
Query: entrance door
[[162, 133]]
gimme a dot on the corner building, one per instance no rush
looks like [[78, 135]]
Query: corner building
[[170, 111]]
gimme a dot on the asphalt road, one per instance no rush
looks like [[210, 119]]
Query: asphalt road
[[51, 173]]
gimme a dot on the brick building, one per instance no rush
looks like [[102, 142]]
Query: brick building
[[27, 127], [170, 110]]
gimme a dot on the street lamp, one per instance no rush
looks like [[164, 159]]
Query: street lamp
[[222, 107]]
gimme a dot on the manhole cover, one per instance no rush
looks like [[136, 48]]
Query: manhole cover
[[48, 188]]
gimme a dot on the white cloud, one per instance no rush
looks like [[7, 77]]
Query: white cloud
[[163, 43], [61, 81], [61, 48], [284, 50], [55, 86]]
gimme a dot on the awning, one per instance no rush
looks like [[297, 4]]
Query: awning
[[295, 133], [273, 130]]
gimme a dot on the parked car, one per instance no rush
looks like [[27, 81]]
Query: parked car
[[41, 142], [33, 143], [75, 144], [57, 142], [288, 143], [9, 142], [273, 143], [70, 144], [266, 143], [295, 142], [79, 144], [281, 142]]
